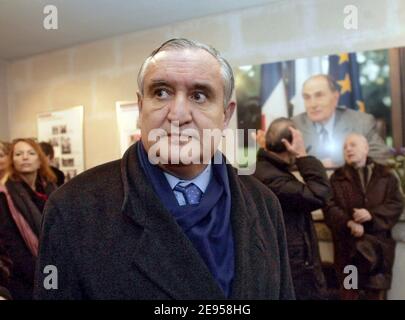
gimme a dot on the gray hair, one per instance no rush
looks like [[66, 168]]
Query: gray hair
[[181, 43], [362, 138], [329, 79]]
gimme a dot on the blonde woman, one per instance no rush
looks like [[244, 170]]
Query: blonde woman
[[4, 151], [28, 184]]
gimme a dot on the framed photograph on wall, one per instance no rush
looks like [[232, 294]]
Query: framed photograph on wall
[[127, 118], [63, 129], [363, 84]]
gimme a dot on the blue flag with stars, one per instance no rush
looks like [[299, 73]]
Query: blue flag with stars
[[345, 70]]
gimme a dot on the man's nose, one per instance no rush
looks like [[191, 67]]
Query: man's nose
[[311, 103], [180, 110]]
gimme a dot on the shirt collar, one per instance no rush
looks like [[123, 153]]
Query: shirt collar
[[201, 181], [328, 125]]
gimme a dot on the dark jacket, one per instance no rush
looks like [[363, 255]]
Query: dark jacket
[[21, 280], [374, 252], [297, 200], [5, 265], [4, 293], [111, 237], [60, 176]]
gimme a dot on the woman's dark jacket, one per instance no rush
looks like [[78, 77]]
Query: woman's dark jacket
[[21, 279]]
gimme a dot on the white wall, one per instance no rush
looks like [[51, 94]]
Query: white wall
[[98, 74], [4, 127]]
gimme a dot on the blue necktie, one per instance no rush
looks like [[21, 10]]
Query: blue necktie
[[192, 194], [324, 136]]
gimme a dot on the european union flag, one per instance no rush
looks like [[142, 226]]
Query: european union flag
[[345, 70]]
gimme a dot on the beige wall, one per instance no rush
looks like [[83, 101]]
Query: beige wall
[[4, 129], [98, 74]]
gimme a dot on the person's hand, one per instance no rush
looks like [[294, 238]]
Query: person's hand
[[356, 229], [297, 145], [361, 215], [260, 138]]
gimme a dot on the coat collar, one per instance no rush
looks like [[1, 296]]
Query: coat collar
[[349, 173], [264, 155], [163, 240]]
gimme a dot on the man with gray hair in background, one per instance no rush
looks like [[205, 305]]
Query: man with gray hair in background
[[154, 225]]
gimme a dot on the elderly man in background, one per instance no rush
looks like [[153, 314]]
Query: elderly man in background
[[367, 203], [324, 125]]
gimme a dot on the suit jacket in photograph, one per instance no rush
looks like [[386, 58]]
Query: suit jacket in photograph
[[346, 121]]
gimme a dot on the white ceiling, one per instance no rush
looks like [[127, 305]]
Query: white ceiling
[[21, 21]]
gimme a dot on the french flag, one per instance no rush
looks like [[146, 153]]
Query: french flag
[[273, 94]]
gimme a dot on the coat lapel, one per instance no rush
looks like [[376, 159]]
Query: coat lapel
[[181, 272], [309, 134], [248, 249], [240, 226]]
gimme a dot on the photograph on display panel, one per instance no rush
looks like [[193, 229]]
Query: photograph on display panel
[[327, 97], [63, 129], [127, 120]]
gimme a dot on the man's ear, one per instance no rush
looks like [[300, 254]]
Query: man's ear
[[138, 94], [336, 98], [229, 110], [140, 102]]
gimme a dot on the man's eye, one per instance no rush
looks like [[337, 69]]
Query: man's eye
[[161, 93], [199, 97]]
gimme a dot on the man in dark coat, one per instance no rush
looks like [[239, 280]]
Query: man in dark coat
[[366, 204], [159, 224], [285, 147]]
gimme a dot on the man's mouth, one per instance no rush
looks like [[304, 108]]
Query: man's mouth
[[180, 139]]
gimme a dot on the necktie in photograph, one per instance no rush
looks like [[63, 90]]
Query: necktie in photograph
[[324, 137]]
